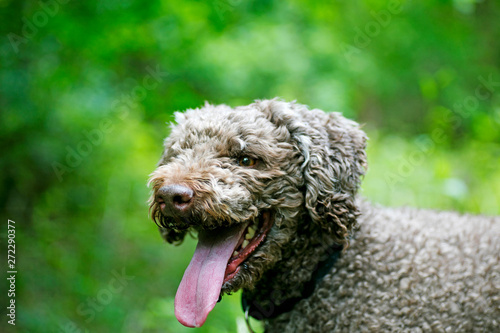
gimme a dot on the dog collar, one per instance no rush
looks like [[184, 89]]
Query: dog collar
[[254, 309]]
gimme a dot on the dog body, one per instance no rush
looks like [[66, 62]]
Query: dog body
[[271, 190], [408, 270]]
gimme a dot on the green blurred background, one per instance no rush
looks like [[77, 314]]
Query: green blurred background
[[87, 87]]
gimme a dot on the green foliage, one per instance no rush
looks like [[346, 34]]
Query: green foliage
[[86, 88]]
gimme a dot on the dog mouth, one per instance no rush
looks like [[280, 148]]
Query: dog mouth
[[217, 259], [253, 235]]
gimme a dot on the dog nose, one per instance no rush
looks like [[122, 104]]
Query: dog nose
[[177, 198]]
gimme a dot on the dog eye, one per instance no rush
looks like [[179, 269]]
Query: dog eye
[[246, 161]]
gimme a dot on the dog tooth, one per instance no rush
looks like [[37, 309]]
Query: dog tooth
[[245, 243], [250, 233]]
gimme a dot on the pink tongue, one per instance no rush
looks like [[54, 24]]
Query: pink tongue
[[200, 286]]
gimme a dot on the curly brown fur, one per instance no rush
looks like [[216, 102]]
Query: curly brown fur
[[308, 170], [408, 270]]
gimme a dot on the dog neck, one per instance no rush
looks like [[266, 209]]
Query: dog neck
[[268, 303]]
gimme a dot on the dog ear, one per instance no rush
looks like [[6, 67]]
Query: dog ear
[[334, 154], [335, 165]]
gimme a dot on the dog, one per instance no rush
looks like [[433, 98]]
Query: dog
[[271, 190]]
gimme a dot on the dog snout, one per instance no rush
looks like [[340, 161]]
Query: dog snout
[[175, 199]]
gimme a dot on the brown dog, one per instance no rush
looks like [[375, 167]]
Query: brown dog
[[270, 188]]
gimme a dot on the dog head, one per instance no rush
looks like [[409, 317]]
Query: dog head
[[253, 181]]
